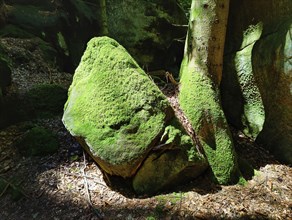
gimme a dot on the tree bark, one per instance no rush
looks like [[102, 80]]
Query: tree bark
[[103, 16], [206, 37], [200, 76]]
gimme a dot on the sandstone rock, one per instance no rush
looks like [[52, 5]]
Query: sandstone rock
[[256, 85], [178, 161], [273, 70], [124, 121]]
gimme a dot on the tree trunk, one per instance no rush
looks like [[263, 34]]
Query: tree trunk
[[199, 96], [206, 37], [103, 17]]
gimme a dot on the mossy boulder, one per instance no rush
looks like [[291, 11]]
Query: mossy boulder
[[176, 162], [46, 100], [121, 118], [38, 141]]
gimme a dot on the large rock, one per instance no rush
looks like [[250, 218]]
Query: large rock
[[256, 85], [175, 162], [273, 69], [121, 118], [246, 111]]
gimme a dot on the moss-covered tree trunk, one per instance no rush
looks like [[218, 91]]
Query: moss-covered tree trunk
[[199, 96]]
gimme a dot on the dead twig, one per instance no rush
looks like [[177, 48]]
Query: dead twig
[[88, 177], [4, 190], [87, 189], [14, 186]]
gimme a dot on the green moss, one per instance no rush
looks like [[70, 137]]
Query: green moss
[[47, 100], [113, 104], [175, 136], [38, 142], [200, 101], [161, 170], [242, 181], [175, 162]]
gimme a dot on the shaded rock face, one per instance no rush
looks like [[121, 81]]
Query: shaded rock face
[[5, 80], [124, 122], [150, 30], [274, 77], [256, 85], [153, 31]]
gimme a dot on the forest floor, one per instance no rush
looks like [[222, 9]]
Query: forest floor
[[62, 186]]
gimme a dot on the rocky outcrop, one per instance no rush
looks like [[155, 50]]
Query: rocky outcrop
[[256, 85], [154, 31], [273, 70], [124, 121]]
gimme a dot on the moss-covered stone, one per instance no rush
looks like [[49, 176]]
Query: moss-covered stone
[[38, 142], [124, 121], [176, 162], [200, 101], [46, 100], [115, 106]]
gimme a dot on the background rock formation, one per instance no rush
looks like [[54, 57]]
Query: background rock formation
[[256, 85]]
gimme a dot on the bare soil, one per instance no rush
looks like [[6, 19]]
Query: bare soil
[[69, 185]]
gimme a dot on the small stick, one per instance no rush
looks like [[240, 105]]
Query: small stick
[[87, 189]]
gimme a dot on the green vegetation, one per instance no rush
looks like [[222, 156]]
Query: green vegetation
[[114, 104], [200, 102], [46, 100], [38, 142]]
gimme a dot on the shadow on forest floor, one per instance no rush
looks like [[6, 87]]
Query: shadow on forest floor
[[57, 187]]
